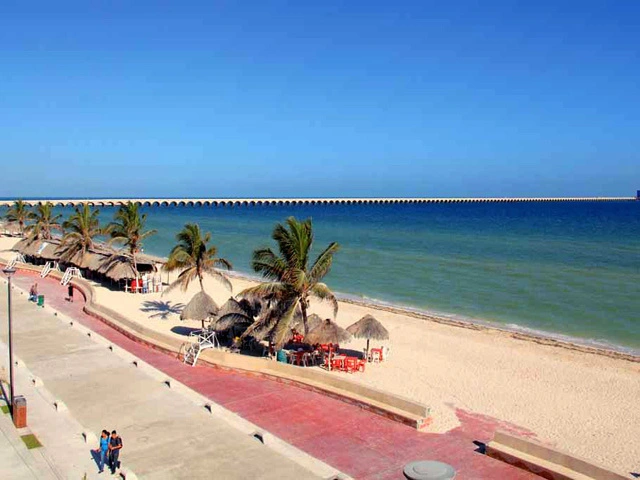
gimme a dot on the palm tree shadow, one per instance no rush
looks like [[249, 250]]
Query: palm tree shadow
[[160, 309]]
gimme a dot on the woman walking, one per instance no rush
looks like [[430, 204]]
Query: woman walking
[[102, 450]]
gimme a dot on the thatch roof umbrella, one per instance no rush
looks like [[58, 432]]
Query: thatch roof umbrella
[[327, 332], [370, 328], [201, 307], [233, 313]]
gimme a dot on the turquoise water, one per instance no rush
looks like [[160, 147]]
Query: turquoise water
[[566, 269]]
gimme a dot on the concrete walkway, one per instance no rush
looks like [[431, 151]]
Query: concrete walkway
[[165, 433], [355, 441], [16, 461]]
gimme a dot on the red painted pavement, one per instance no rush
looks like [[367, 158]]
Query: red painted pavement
[[355, 441]]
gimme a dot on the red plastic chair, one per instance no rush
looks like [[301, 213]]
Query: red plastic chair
[[337, 364], [351, 364], [375, 355]]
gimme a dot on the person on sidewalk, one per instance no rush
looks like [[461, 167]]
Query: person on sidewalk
[[33, 293], [70, 291], [102, 450], [115, 445]]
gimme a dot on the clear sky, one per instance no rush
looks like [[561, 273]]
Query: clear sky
[[323, 98]]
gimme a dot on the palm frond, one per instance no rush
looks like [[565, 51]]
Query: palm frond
[[323, 263], [322, 292]]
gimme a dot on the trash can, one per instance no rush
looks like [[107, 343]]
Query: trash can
[[41, 300], [20, 411], [281, 356]]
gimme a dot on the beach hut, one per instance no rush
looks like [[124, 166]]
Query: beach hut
[[39, 249], [327, 332], [201, 308], [119, 267], [11, 229], [370, 328]]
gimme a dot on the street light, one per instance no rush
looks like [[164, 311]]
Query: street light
[[9, 273]]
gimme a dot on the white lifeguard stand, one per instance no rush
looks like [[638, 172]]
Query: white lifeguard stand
[[204, 339]]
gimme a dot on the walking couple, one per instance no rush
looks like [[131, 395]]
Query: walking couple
[[109, 451]]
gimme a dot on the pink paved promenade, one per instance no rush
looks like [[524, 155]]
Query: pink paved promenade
[[359, 443]]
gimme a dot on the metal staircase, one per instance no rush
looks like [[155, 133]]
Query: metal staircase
[[47, 268], [191, 354], [69, 274], [16, 259]]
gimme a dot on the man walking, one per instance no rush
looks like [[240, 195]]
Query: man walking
[[115, 445]]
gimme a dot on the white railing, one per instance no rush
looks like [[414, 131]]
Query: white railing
[[206, 339], [16, 259], [69, 274], [47, 268]]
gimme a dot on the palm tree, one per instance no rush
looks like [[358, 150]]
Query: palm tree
[[128, 228], [44, 222], [81, 228], [290, 282], [195, 259], [18, 213]]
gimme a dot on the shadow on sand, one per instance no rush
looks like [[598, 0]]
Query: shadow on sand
[[160, 309], [186, 331]]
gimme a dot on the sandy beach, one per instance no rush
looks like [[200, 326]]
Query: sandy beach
[[582, 402]]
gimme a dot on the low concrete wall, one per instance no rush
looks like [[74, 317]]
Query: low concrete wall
[[389, 405], [545, 461]]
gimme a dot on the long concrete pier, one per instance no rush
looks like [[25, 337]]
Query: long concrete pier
[[224, 202]]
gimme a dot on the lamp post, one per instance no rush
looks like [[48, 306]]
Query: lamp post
[[9, 273]]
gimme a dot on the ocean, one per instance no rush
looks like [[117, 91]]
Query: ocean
[[569, 270]]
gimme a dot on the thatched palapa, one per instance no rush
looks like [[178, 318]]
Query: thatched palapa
[[201, 307], [370, 328], [327, 332], [38, 248]]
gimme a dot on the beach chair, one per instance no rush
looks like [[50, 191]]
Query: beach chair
[[375, 355], [351, 364]]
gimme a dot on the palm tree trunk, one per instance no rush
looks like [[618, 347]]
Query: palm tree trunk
[[201, 285], [303, 307], [135, 263]]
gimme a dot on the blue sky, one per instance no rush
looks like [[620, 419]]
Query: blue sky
[[190, 98]]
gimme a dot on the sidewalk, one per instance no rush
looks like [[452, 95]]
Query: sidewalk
[[353, 440], [64, 453], [165, 433], [16, 461]]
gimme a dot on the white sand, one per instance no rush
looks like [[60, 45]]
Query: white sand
[[581, 402]]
